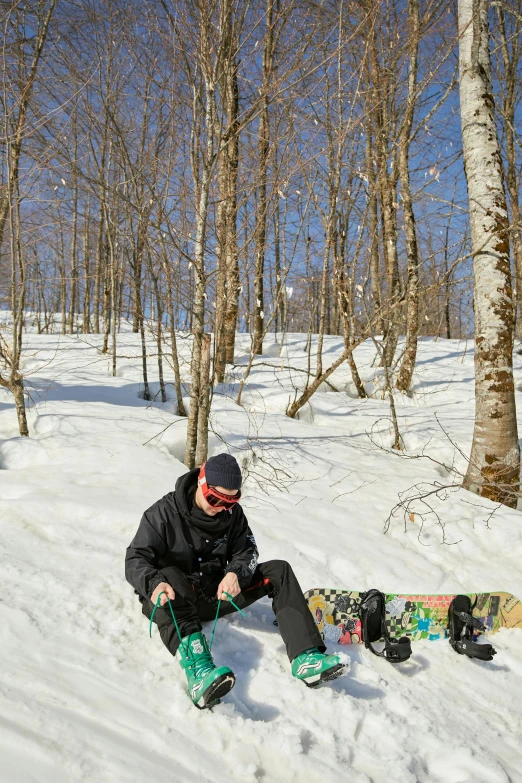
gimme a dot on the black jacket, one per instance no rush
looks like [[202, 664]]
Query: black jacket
[[173, 532]]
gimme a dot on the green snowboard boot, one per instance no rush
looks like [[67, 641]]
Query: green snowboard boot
[[314, 667], [207, 683]]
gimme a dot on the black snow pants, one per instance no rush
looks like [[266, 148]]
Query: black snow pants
[[193, 605]]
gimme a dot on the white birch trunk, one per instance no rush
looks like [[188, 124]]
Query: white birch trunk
[[199, 299], [204, 401], [494, 467], [195, 421], [405, 376], [262, 205]]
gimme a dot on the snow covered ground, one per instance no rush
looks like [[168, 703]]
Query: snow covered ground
[[85, 695]]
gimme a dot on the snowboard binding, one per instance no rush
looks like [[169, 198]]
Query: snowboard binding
[[461, 625], [372, 612]]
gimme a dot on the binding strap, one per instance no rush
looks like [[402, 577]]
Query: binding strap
[[372, 612], [461, 625]]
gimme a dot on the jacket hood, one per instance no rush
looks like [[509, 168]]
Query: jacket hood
[[211, 527]]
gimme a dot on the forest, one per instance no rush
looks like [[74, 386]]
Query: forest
[[208, 168]]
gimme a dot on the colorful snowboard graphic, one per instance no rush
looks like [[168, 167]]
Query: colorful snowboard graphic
[[417, 616]]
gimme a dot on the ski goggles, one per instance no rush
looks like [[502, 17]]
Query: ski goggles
[[213, 497]]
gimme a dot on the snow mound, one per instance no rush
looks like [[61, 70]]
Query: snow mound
[[85, 695]]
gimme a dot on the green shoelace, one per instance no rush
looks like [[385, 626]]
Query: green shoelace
[[187, 651]]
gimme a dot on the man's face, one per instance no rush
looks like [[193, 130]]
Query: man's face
[[206, 507]]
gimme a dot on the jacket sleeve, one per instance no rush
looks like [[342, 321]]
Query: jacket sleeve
[[242, 551], [143, 553]]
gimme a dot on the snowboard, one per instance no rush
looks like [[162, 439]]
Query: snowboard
[[417, 616]]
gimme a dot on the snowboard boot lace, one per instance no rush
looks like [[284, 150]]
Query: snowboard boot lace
[[201, 664]]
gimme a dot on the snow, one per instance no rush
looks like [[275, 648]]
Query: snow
[[85, 695]]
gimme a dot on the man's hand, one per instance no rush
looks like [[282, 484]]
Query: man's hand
[[229, 585], [167, 591]]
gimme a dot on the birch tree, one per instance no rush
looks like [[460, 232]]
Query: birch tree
[[202, 166], [227, 286], [19, 74], [511, 53], [412, 320], [264, 153], [494, 466]]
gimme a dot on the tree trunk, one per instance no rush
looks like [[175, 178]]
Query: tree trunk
[[494, 465], [86, 270], [232, 261], [136, 277], [63, 282], [322, 298], [202, 182], [12, 355], [74, 271], [383, 89], [412, 317], [155, 277], [159, 343], [99, 271], [224, 184], [511, 81], [345, 299], [204, 400], [173, 342], [106, 299], [447, 288], [113, 293], [74, 234], [298, 403], [221, 297], [26, 89], [146, 390], [280, 299], [374, 225], [227, 288], [17, 387], [261, 213], [389, 223], [108, 256]]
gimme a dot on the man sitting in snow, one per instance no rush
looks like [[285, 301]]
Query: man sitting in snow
[[194, 546]]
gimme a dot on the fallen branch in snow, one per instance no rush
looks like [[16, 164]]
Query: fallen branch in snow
[[163, 430], [351, 491], [297, 404], [366, 332], [490, 515], [285, 367], [409, 503], [261, 462]]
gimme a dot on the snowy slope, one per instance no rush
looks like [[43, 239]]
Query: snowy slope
[[85, 695]]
